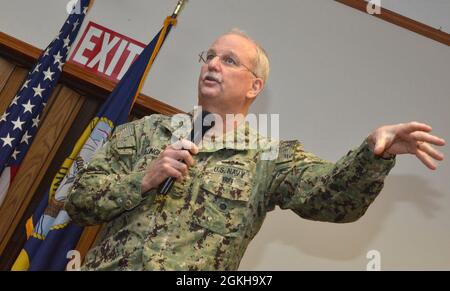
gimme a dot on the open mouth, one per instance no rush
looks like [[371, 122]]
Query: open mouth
[[210, 79]]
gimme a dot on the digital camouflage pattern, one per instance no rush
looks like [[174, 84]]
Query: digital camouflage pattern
[[207, 221]]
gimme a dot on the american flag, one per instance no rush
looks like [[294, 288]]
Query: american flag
[[19, 124]]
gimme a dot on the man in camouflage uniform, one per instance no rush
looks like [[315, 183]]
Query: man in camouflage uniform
[[223, 189]]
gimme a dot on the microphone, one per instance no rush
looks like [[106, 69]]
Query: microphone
[[195, 137]]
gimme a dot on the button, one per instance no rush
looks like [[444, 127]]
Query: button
[[128, 204], [175, 194], [177, 190], [223, 206]]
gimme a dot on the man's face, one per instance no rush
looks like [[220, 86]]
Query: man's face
[[224, 87]]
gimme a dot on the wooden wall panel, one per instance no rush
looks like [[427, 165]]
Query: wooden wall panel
[[13, 84], [61, 112], [6, 68], [18, 239]]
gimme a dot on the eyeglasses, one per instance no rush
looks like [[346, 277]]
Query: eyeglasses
[[228, 60]]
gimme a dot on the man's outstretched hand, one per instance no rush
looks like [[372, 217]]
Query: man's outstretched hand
[[407, 138]]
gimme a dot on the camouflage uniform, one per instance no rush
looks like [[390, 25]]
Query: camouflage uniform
[[207, 221]]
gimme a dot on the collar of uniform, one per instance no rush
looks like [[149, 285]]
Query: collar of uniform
[[172, 126], [243, 137]]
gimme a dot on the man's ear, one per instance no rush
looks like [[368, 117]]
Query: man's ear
[[257, 87]]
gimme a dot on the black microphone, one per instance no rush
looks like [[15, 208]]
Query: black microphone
[[195, 136]]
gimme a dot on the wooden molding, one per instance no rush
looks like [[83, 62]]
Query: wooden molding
[[402, 21], [78, 79]]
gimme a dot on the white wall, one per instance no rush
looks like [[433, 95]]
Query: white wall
[[336, 75]]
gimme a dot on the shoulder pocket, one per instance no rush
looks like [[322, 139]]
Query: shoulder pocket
[[126, 146], [125, 141]]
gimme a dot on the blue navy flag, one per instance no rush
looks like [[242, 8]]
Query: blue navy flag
[[20, 122]]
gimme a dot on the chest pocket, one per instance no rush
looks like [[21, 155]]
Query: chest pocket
[[222, 204]]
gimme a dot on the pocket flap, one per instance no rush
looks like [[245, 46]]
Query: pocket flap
[[126, 146], [235, 186], [220, 215]]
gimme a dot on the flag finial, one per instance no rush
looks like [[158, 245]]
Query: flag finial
[[177, 10]]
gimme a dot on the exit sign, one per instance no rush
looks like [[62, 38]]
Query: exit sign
[[106, 52]]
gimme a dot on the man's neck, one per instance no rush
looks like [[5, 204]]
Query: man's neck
[[229, 121]]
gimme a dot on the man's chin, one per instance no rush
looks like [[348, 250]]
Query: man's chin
[[209, 93]]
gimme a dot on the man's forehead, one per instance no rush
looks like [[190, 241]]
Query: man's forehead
[[231, 43]]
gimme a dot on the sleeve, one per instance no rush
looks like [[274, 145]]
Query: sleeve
[[107, 186], [316, 189]]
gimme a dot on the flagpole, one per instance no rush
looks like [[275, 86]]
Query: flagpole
[[178, 8], [170, 20], [91, 3]]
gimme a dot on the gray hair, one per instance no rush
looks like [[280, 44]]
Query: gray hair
[[261, 62]]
